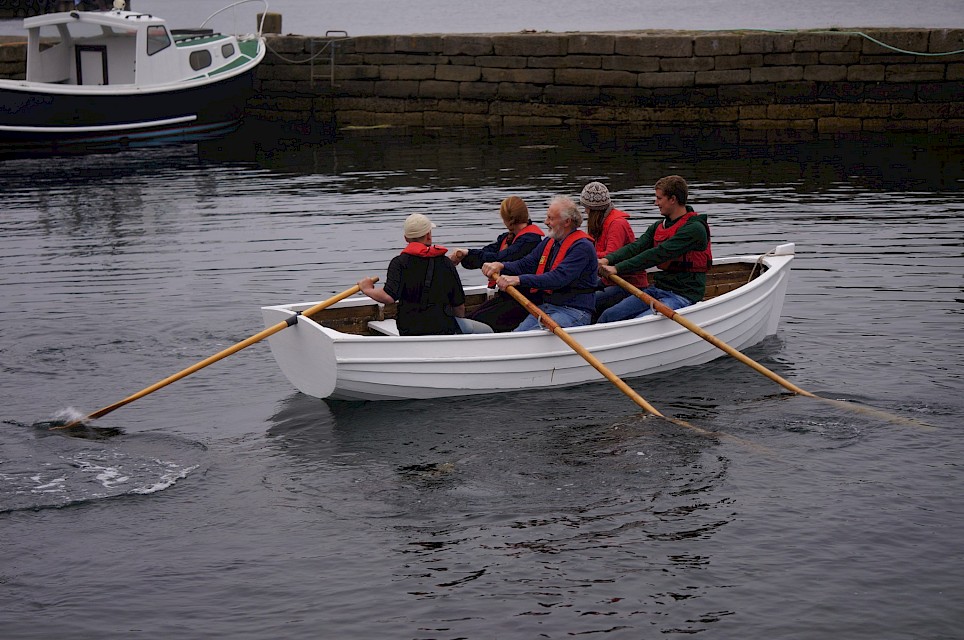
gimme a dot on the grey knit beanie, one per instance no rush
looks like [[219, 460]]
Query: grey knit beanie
[[595, 195]]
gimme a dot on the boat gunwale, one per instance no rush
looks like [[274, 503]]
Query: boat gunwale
[[341, 337]]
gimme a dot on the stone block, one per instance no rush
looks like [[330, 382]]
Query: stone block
[[825, 41], [374, 44], [635, 64], [438, 89], [766, 43], [565, 94], [591, 43], [667, 79], [733, 76], [686, 64], [742, 61], [825, 72], [398, 89], [519, 91], [530, 45], [895, 39], [457, 73], [564, 62], [419, 44], [949, 92], [654, 45], [533, 76], [478, 90], [791, 59], [866, 73], [838, 125], [914, 72], [502, 62], [776, 74], [468, 45], [944, 40], [717, 45], [595, 78]]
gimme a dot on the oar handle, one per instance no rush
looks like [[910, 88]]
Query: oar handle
[[258, 337]]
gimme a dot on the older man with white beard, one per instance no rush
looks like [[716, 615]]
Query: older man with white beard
[[562, 267]]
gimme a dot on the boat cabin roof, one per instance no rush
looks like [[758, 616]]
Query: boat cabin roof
[[116, 19]]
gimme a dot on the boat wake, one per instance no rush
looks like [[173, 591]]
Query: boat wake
[[40, 470]]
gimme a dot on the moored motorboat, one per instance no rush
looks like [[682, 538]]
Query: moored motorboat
[[104, 78], [351, 350]]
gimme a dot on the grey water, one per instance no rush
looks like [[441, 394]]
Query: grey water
[[227, 505], [377, 17]]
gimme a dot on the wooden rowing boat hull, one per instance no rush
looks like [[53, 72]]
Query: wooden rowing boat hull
[[325, 362]]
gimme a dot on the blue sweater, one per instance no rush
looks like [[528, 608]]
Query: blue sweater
[[572, 283]]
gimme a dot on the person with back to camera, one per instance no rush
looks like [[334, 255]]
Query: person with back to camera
[[679, 245], [426, 285], [501, 311], [610, 230], [563, 266]]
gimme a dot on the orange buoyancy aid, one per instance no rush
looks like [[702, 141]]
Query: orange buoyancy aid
[[639, 280], [563, 248], [505, 242], [696, 261]]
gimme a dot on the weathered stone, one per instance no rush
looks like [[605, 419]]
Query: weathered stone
[[591, 43], [661, 46], [734, 76], [438, 89], [742, 61], [457, 73], [565, 62], [595, 78], [467, 45], [686, 64], [717, 45], [825, 72], [667, 79], [530, 45]]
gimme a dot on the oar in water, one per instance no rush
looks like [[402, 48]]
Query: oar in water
[[553, 326], [695, 328], [218, 356]]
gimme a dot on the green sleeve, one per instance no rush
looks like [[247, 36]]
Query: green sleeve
[[641, 243], [692, 236]]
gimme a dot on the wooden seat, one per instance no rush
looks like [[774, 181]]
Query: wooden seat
[[387, 327]]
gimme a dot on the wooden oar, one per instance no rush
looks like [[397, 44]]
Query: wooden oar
[[553, 326], [218, 356], [695, 328]]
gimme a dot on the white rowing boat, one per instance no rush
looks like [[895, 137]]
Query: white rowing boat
[[352, 350]]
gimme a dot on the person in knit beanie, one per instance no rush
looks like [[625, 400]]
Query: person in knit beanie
[[610, 230]]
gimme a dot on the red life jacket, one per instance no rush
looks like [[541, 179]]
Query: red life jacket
[[505, 242], [423, 250], [639, 280], [563, 248], [697, 261]]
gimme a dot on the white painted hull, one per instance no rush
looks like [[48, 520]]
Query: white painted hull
[[325, 363]]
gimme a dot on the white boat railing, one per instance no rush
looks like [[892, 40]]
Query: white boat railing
[[264, 13]]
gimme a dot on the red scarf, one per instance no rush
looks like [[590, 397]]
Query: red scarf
[[424, 251]]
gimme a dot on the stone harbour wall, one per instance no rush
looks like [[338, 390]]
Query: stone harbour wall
[[807, 81]]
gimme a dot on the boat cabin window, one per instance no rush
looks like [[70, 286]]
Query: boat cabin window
[[227, 50], [200, 59], [157, 39]]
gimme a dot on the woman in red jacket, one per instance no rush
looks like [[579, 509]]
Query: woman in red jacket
[[610, 230]]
